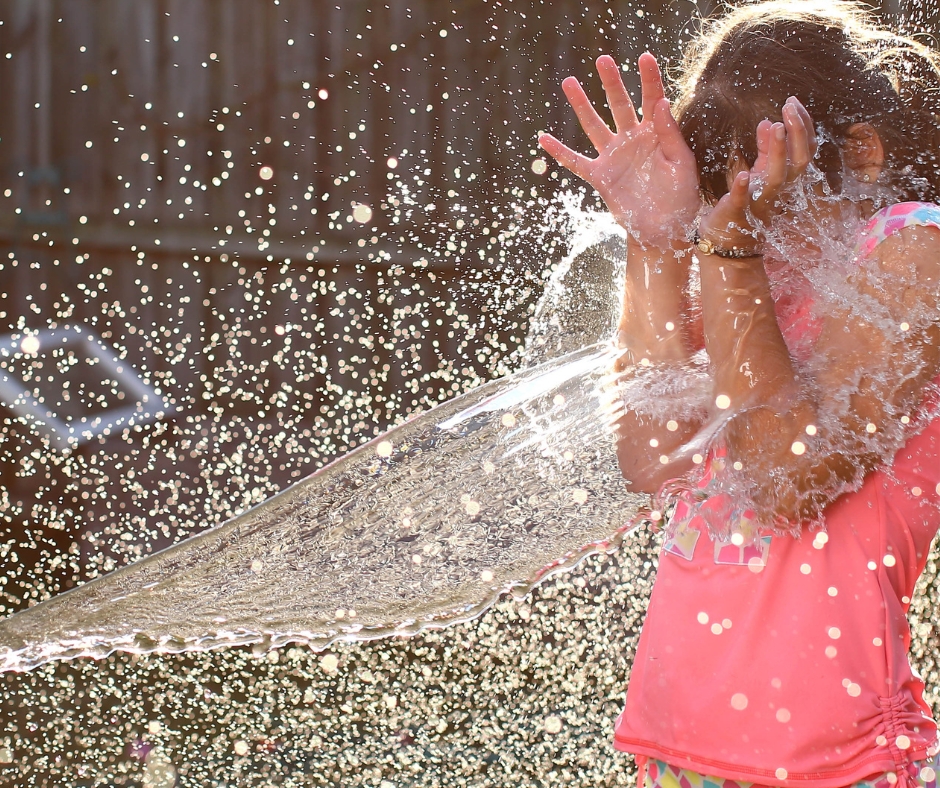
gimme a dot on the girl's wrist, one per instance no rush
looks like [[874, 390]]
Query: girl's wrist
[[670, 247], [731, 238], [727, 249]]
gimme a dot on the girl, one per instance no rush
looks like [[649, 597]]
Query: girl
[[803, 491]]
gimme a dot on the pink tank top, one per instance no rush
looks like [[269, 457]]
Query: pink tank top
[[784, 661]]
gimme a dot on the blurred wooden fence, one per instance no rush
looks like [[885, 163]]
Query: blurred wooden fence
[[208, 92], [135, 135]]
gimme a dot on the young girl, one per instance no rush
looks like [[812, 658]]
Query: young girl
[[800, 170]]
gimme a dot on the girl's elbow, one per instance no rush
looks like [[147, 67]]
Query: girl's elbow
[[648, 475]]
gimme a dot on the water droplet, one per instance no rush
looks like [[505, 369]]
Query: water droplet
[[539, 166], [362, 213], [781, 773], [384, 449], [266, 173], [702, 618], [553, 724], [834, 632], [782, 715], [722, 402], [739, 701]]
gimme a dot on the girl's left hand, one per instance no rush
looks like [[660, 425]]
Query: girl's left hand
[[784, 152]]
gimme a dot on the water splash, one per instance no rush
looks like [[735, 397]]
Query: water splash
[[425, 526]]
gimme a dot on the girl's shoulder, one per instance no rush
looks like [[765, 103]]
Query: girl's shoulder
[[892, 219]]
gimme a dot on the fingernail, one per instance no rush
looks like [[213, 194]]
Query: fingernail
[[779, 131]]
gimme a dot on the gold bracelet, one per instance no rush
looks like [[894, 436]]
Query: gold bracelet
[[707, 247]]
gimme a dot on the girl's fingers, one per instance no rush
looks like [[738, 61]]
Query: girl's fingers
[[797, 139], [808, 124], [671, 142], [567, 158], [763, 147], [778, 141], [597, 130], [739, 195], [652, 82], [619, 101]]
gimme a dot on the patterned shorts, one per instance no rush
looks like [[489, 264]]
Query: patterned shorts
[[662, 775]]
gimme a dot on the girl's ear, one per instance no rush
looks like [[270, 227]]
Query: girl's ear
[[863, 152]]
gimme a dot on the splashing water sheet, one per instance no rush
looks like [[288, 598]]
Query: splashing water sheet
[[422, 527]]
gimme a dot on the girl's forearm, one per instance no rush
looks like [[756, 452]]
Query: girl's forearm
[[651, 322], [750, 360], [652, 331], [755, 382]]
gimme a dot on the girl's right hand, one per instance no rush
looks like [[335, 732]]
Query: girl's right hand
[[645, 171]]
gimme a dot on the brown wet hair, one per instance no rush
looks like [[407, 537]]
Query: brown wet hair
[[838, 62]]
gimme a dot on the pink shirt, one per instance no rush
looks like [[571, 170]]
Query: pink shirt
[[785, 662]]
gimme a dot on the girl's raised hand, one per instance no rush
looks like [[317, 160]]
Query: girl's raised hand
[[784, 153], [644, 171]]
